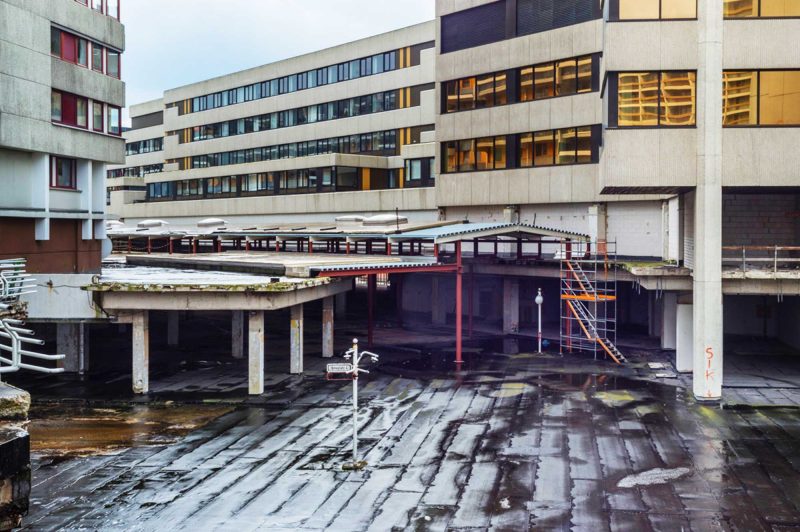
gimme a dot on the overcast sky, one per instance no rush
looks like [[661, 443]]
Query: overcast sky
[[175, 42]]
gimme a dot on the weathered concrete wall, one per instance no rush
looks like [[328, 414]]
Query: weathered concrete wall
[[15, 460]]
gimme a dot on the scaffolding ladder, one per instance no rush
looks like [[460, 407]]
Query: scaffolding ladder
[[588, 297]]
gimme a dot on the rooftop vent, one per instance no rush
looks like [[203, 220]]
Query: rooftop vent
[[151, 223], [212, 222], [386, 220], [350, 219]]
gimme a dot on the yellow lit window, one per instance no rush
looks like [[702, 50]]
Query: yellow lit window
[[499, 152], [466, 155], [638, 9], [585, 74], [779, 96], [566, 77], [672, 9], [678, 97], [485, 154], [544, 81], [566, 146], [740, 8], [638, 99], [500, 89], [739, 98], [466, 94], [485, 91], [526, 150], [780, 8], [584, 144], [543, 148], [526, 84]]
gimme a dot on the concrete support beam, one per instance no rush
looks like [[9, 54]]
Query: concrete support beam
[[341, 305], [141, 351], [173, 329], [707, 286], [669, 324], [72, 340], [510, 305], [296, 340], [684, 359], [327, 327], [237, 334], [255, 366]]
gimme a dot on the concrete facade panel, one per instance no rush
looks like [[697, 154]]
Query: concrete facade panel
[[765, 43], [656, 45], [760, 157]]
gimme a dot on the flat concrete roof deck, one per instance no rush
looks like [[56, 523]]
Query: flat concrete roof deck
[[290, 264]]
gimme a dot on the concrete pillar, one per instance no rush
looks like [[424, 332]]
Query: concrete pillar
[[510, 305], [237, 334], [141, 351], [684, 334], [669, 309], [655, 317], [173, 328], [296, 338], [72, 341], [255, 366], [341, 305], [707, 282], [327, 327], [438, 308]]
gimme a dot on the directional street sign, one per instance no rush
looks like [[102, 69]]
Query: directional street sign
[[340, 368]]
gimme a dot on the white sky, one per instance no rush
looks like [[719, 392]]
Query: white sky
[[170, 43]]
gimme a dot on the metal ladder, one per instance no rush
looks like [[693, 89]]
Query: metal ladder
[[14, 283]]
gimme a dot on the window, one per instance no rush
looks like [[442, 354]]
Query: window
[[654, 9], [543, 148], [767, 98], [740, 98], [69, 109], [63, 173], [113, 63], [560, 78], [566, 146], [761, 8], [585, 74], [544, 81], [475, 92], [83, 51], [466, 155], [112, 8], [97, 117], [55, 42], [97, 58], [526, 150], [656, 99], [485, 153], [414, 169], [114, 126], [535, 16], [473, 27], [526, 84], [566, 77]]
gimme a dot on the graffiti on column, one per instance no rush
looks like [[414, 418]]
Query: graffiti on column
[[709, 371]]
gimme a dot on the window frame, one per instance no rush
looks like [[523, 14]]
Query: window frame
[[758, 123], [613, 100], [759, 16], [73, 186], [119, 63], [110, 108], [614, 14]]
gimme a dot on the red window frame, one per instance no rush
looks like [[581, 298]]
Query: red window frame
[[102, 6], [109, 107], [73, 178], [102, 117], [119, 64], [114, 15], [69, 110]]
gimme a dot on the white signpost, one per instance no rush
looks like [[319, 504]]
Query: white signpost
[[353, 370]]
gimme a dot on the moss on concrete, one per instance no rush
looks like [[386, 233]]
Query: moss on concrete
[[14, 403]]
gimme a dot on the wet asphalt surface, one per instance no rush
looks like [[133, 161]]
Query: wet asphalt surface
[[515, 442]]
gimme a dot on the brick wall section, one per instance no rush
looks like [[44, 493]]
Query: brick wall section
[[760, 220]]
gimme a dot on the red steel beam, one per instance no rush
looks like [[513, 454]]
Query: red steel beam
[[434, 268]]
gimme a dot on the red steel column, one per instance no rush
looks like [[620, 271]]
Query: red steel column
[[388, 247], [170, 245], [399, 298], [149, 246], [371, 285], [459, 316], [347, 247]]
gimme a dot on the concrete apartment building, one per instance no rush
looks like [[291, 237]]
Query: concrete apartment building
[[60, 124], [305, 139], [665, 127]]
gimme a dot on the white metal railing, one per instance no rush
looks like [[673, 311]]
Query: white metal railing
[[15, 282], [764, 258]]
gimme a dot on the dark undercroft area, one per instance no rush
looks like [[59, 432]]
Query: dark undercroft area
[[514, 443]]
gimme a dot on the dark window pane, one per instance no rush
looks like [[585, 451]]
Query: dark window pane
[[500, 89], [544, 81], [526, 150], [526, 84], [485, 92], [585, 74], [500, 152], [485, 154], [543, 147], [466, 155], [566, 77], [466, 91]]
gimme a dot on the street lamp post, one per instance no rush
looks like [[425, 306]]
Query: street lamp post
[[539, 301]]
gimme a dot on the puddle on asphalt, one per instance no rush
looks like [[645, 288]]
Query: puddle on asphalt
[[62, 430]]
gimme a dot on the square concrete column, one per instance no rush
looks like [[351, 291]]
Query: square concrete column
[[296, 337], [237, 334], [510, 306], [173, 328], [141, 351], [327, 327], [669, 309], [684, 335], [255, 366], [72, 341]]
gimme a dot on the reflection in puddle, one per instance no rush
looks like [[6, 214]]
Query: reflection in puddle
[[59, 430]]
